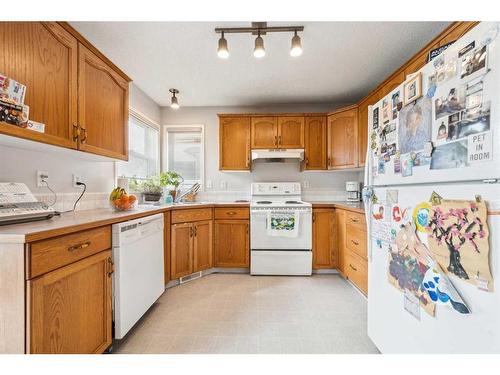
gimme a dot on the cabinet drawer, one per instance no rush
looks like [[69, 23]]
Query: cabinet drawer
[[191, 214], [53, 253], [232, 213], [356, 240], [355, 219], [356, 270]]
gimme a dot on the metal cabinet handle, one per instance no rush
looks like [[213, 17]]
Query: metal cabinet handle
[[276, 140], [354, 220], [354, 268], [190, 231], [279, 140], [355, 242], [76, 132], [231, 213], [111, 267], [79, 246], [195, 231]]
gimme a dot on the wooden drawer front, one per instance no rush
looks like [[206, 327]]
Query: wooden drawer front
[[191, 214], [356, 240], [48, 255], [355, 219], [232, 213], [357, 271]]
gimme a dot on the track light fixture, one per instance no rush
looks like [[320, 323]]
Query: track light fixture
[[222, 50], [296, 46], [174, 103], [259, 50], [259, 29]]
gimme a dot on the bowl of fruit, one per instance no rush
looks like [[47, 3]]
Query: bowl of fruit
[[121, 201]]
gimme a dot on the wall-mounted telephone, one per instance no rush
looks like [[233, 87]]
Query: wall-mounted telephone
[[18, 205]]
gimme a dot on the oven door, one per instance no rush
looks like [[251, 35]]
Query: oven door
[[259, 240]]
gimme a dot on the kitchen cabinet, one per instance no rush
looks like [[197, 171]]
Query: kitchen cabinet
[[324, 246], [315, 143], [43, 56], [102, 107], [269, 132], [70, 308], [264, 132], [232, 243], [80, 96], [342, 138], [290, 132], [191, 241], [234, 143], [167, 245], [340, 218]]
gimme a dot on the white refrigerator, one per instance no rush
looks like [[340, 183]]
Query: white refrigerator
[[433, 259]]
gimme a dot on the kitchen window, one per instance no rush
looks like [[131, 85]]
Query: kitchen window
[[183, 152], [143, 141]]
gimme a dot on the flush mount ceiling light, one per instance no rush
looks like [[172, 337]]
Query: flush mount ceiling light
[[174, 104], [259, 29], [222, 50]]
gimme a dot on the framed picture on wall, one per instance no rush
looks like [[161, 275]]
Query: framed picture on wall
[[413, 88]]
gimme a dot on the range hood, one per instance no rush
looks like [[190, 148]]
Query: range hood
[[295, 155]]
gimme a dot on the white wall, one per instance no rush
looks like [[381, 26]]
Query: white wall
[[21, 164], [240, 181]]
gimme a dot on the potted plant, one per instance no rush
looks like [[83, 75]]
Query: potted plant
[[172, 179], [151, 189]]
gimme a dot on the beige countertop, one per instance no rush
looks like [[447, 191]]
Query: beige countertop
[[81, 220], [86, 219]]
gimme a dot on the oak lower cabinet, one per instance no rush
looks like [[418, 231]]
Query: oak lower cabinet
[[324, 244], [234, 143], [343, 138], [69, 308], [232, 243], [191, 247], [315, 143]]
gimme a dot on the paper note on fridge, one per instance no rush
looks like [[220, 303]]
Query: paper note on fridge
[[480, 147]]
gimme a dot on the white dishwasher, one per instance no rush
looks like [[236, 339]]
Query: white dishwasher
[[139, 277]]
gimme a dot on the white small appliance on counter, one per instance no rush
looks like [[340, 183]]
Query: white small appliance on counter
[[353, 189], [272, 252], [139, 278]]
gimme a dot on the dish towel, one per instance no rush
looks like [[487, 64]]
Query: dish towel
[[282, 224]]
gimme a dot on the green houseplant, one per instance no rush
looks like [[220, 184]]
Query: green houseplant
[[151, 189], [171, 179]]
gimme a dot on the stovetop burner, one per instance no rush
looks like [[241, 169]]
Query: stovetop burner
[[264, 202], [293, 202]]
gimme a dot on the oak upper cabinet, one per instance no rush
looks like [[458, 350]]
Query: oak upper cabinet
[[324, 238], [343, 138], [363, 131], [102, 107], [234, 143], [43, 56], [181, 250], [264, 132], [69, 309], [202, 245], [232, 244], [290, 132], [315, 143]]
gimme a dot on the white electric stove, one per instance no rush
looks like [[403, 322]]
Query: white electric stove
[[275, 254]]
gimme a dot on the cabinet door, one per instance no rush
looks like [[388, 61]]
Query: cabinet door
[[232, 243], [234, 143], [102, 107], [181, 252], [315, 143], [290, 132], [70, 308], [167, 246], [363, 131], [43, 57], [324, 246], [342, 139], [340, 218], [264, 132], [202, 242]]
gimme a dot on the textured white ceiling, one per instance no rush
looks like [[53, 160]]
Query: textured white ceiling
[[342, 61]]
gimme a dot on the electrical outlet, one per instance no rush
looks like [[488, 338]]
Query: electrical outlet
[[306, 184], [76, 178], [40, 177], [209, 185], [223, 185]]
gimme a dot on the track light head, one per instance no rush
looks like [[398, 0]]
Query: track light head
[[296, 49], [259, 50], [174, 103], [222, 50]]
